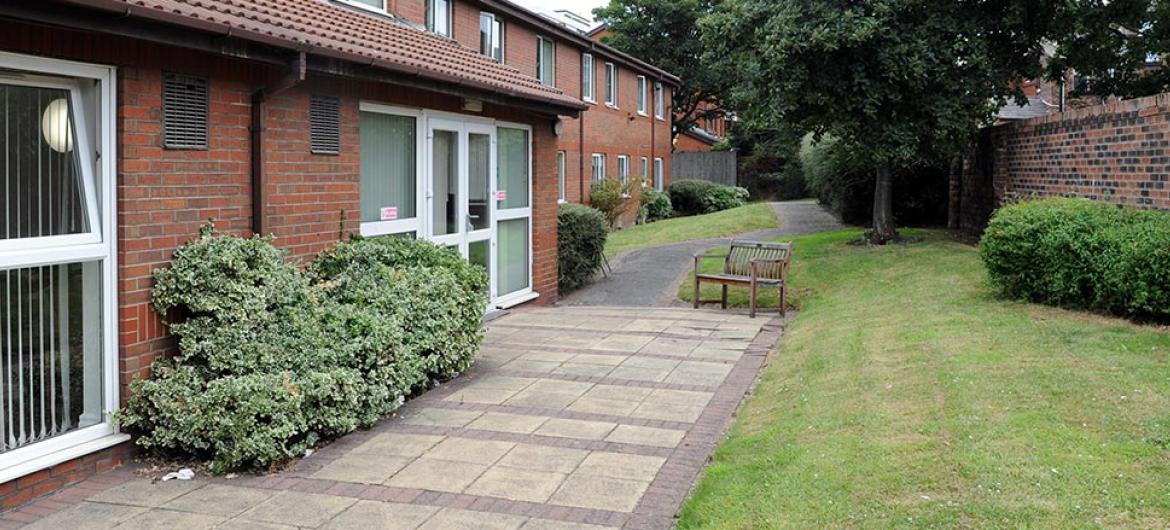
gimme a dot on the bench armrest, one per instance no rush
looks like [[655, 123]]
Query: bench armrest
[[782, 262], [701, 256]]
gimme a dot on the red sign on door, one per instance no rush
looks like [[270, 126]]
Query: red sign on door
[[501, 195], [389, 213]]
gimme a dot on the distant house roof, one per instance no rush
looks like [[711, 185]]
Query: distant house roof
[[1035, 107], [324, 29], [702, 135]]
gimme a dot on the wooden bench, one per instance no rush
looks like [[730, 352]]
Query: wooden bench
[[748, 263]]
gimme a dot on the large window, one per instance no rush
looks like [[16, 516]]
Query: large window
[[659, 102], [58, 376], [642, 95], [588, 85], [645, 170], [598, 167], [623, 169], [611, 81], [439, 17], [513, 231], [546, 60], [491, 36], [389, 171]]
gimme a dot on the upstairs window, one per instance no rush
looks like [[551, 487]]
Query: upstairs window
[[546, 58], [642, 95], [611, 98], [491, 36], [588, 87], [372, 5], [439, 17], [659, 102]]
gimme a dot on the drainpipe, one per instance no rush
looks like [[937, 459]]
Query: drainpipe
[[581, 149], [294, 77]]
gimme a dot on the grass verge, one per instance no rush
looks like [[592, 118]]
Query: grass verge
[[906, 395], [755, 216]]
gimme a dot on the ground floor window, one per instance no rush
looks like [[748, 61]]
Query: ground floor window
[[624, 169], [598, 167], [560, 176], [645, 171], [658, 174], [57, 326], [390, 188]]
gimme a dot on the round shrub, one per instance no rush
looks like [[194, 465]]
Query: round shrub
[[722, 198], [272, 360], [581, 235], [1081, 254], [687, 195], [656, 206]]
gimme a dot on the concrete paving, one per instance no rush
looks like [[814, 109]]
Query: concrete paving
[[650, 276], [572, 418]]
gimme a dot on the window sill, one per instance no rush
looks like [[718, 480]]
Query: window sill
[[643, 114], [612, 106], [64, 455], [589, 101], [562, 201]]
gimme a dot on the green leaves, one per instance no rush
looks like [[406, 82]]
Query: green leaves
[[581, 235], [271, 359]]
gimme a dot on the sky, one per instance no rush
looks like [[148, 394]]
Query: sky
[[581, 7]]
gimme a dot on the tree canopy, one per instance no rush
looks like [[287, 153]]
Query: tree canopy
[[897, 82], [666, 33], [1118, 47]]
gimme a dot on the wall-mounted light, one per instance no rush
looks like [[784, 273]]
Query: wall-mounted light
[[56, 126], [558, 127]]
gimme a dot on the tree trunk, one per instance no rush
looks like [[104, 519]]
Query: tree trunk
[[955, 192], [883, 208]]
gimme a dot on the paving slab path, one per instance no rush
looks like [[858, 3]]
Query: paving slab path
[[572, 418], [650, 276]]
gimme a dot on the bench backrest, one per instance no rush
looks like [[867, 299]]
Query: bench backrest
[[741, 253]]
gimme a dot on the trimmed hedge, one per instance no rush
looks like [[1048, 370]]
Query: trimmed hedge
[[581, 235], [1082, 254], [694, 197], [656, 206], [272, 359]]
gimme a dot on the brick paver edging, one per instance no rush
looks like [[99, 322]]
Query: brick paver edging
[[660, 503]]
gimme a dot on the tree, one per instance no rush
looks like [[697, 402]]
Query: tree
[[896, 82], [1119, 47], [666, 33]]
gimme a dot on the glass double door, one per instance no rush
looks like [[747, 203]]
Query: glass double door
[[460, 193]]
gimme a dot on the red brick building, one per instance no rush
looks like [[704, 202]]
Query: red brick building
[[129, 124]]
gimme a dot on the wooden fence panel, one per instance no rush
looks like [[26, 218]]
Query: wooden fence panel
[[715, 166]]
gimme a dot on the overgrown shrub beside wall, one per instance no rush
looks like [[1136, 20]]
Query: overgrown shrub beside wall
[[695, 197], [1082, 254], [272, 360], [656, 206], [581, 235]]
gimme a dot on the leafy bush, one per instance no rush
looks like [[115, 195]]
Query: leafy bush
[[611, 198], [722, 198], [656, 206], [784, 185], [272, 360], [687, 195], [1082, 254], [581, 236], [846, 186]]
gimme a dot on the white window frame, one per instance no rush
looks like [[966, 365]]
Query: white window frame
[[611, 85], [645, 171], [659, 175], [497, 24], [367, 7], [99, 246], [642, 87], [659, 101], [561, 177], [446, 31], [588, 79], [598, 167], [402, 226], [541, 61], [623, 169], [510, 214]]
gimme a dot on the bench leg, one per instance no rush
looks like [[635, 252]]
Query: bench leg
[[753, 302], [696, 300], [783, 304], [724, 299]]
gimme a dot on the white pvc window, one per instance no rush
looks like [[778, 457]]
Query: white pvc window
[[546, 60], [373, 5], [642, 95], [491, 36], [598, 167], [658, 174], [588, 84], [623, 169], [645, 170], [514, 225], [611, 84], [391, 139], [439, 17], [58, 341], [560, 176], [659, 101]]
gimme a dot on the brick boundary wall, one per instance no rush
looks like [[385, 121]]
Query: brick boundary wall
[[1118, 153]]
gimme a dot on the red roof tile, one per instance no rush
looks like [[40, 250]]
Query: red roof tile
[[323, 28]]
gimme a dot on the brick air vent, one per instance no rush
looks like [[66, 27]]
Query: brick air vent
[[325, 125], [185, 111]]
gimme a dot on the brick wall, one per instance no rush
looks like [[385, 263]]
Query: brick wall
[[1118, 153]]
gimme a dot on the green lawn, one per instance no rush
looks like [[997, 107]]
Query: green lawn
[[906, 395], [755, 216]]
